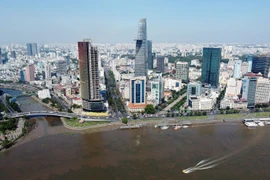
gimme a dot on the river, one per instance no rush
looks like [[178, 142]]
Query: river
[[56, 153]]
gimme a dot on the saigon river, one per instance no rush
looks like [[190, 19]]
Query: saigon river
[[53, 152]]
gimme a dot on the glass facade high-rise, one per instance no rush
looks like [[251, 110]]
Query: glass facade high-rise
[[194, 89], [89, 77], [210, 66], [261, 64], [141, 56], [160, 64], [150, 55], [138, 90], [32, 49], [251, 92]]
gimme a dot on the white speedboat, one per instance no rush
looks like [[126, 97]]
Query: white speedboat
[[185, 126], [251, 124], [177, 127], [260, 124], [156, 126], [164, 127]]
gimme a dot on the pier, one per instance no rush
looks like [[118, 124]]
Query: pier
[[136, 126]]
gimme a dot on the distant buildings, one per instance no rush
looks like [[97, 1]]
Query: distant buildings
[[61, 67], [137, 94], [30, 73], [237, 69], [261, 64], [160, 64], [13, 54], [141, 56], [210, 66], [182, 71], [32, 49], [89, 77]]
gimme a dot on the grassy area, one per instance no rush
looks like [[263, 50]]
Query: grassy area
[[260, 114], [188, 118], [231, 116], [75, 123], [96, 114]]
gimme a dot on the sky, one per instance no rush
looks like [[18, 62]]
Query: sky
[[116, 21]]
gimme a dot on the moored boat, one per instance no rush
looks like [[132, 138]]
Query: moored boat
[[177, 127], [164, 127]]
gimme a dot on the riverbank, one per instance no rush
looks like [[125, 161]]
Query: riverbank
[[44, 104]]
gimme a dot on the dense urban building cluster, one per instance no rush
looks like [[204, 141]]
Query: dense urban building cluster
[[144, 73]]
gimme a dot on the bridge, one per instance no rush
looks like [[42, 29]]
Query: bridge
[[53, 113]]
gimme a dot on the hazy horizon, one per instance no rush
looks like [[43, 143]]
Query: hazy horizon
[[169, 21]]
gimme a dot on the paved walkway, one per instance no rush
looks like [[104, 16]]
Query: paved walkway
[[172, 104]]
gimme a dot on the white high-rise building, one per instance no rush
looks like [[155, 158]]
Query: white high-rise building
[[237, 69], [182, 70], [262, 94], [47, 71], [157, 89]]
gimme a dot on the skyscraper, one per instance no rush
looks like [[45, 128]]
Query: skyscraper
[[182, 71], [13, 54], [237, 69], [47, 71], [150, 55], [30, 73], [251, 92], [89, 77], [249, 60], [160, 64], [157, 89], [141, 56], [32, 49], [61, 67], [261, 64], [210, 66]]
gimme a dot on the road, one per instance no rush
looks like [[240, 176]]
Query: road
[[172, 104], [3, 99], [111, 88], [61, 102]]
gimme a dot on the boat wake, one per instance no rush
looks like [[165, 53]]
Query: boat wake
[[208, 163]]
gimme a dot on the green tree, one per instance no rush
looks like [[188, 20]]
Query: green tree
[[134, 116], [124, 120], [149, 109], [5, 143], [69, 111]]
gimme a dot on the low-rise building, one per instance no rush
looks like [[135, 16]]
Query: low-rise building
[[173, 84], [43, 94]]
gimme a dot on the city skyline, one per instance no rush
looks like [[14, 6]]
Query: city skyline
[[115, 22]]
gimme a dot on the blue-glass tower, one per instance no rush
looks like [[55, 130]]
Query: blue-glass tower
[[210, 66], [261, 64]]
